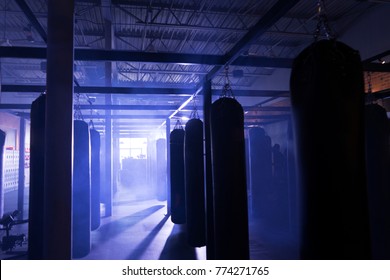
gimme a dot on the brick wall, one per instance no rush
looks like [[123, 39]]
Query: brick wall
[[379, 81]]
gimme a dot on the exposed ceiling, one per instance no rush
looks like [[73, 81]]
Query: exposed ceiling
[[161, 51]]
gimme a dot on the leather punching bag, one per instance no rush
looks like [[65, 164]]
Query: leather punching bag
[[81, 205], [2, 143], [327, 96], [95, 179], [378, 179], [37, 176], [261, 173], [229, 180], [194, 183], [178, 203]]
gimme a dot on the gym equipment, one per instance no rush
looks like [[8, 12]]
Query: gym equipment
[[81, 205], [378, 179], [2, 142], [37, 176], [292, 184], [9, 241], [261, 172], [178, 203], [95, 179], [194, 183], [161, 160], [229, 180], [327, 96]]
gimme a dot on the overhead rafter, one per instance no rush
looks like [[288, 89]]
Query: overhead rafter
[[150, 107], [276, 12], [148, 91], [33, 20], [131, 56]]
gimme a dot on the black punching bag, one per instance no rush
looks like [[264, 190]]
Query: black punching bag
[[81, 205], [229, 180], [178, 203], [378, 179], [194, 183], [261, 173], [161, 160], [95, 179], [37, 172], [2, 142], [327, 96]]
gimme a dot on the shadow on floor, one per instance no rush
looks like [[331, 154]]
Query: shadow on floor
[[140, 249], [176, 246], [116, 227]]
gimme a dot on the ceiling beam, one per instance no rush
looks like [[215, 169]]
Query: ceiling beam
[[32, 19], [7, 106], [101, 107], [107, 90], [131, 56], [127, 117], [147, 91], [376, 67], [376, 57], [275, 13]]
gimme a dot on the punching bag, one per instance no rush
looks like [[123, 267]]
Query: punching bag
[[2, 143], [161, 160], [95, 179], [378, 179], [81, 205], [229, 180], [261, 173], [327, 96], [178, 203], [194, 183], [292, 184], [37, 172]]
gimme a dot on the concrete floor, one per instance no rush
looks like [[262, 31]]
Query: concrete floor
[[140, 230]]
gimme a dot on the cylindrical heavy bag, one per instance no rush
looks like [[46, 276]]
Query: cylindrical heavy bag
[[194, 183], [292, 184], [37, 175], [95, 179], [161, 160], [378, 179], [261, 173], [327, 95], [2, 142], [81, 205], [178, 200], [229, 180]]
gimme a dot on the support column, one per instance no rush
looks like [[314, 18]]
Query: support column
[[21, 181], [168, 133], [108, 160], [59, 131], [210, 243], [108, 184], [116, 163]]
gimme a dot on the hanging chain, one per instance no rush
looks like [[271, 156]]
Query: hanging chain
[[227, 88], [91, 124], [77, 112], [194, 114], [178, 125], [322, 22]]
